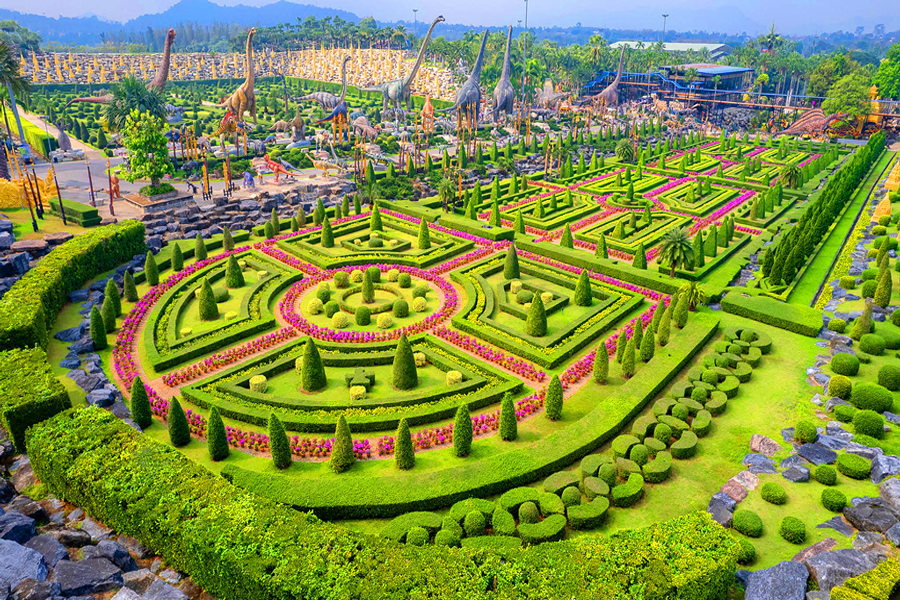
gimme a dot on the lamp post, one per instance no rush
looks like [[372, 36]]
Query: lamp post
[[665, 16], [415, 21], [525, 56]]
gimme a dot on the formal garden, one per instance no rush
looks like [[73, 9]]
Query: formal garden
[[619, 355]]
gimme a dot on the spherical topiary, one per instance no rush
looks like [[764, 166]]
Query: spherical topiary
[[871, 396], [870, 275], [873, 344], [323, 292], [844, 413], [420, 359], [869, 288], [747, 522], [839, 386], [571, 496], [639, 454], [699, 394], [837, 325], [341, 279], [524, 296], [528, 512], [834, 500], [445, 537], [747, 554], [895, 316], [331, 308], [362, 315], [848, 282], [400, 308], [374, 274], [843, 363], [474, 523], [865, 440], [404, 280], [680, 411], [453, 378], [879, 230], [339, 320], [663, 433], [889, 377], [421, 291], [376, 243], [869, 422], [417, 536], [420, 305], [711, 377], [258, 384], [773, 493], [385, 321], [825, 474], [805, 432], [748, 335], [393, 274], [316, 307], [793, 530], [854, 466], [356, 276]]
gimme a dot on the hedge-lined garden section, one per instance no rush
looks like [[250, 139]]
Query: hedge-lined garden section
[[28, 310], [881, 583], [188, 247], [29, 392], [80, 214], [237, 545], [798, 319], [390, 495]]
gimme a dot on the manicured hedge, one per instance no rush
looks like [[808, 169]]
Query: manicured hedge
[[628, 493], [38, 139], [880, 583], [164, 257], [238, 546], [80, 214], [28, 310], [792, 317], [29, 392], [589, 515]]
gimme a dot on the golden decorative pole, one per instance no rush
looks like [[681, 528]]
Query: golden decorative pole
[[62, 211], [112, 211]]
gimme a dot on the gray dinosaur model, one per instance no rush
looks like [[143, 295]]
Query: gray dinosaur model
[[504, 94], [326, 99], [468, 97]]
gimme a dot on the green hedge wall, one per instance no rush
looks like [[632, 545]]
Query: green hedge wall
[[238, 546], [164, 257], [881, 583], [792, 317], [28, 310], [38, 139], [81, 214], [29, 392]]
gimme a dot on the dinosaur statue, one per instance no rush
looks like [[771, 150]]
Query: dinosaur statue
[[326, 99], [338, 120], [280, 126], [158, 82], [229, 126], [329, 163], [276, 168], [504, 94], [813, 122], [244, 98], [65, 144], [468, 97], [362, 128], [298, 126], [427, 115], [610, 95], [396, 92], [547, 98]]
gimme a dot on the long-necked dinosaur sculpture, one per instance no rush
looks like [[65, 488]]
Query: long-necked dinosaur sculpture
[[468, 97], [504, 94], [244, 98], [396, 92], [813, 122], [610, 95], [326, 99], [158, 82], [547, 99]]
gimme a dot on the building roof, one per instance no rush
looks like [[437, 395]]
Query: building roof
[[708, 70], [679, 46]]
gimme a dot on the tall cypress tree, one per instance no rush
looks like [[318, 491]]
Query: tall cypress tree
[[327, 234], [699, 253], [511, 265], [648, 345], [628, 360], [129, 288], [312, 371], [177, 258], [199, 248], [97, 329], [404, 455], [553, 401], [177, 424], [424, 239], [141, 412], [583, 295], [151, 270], [509, 427], [375, 220], [536, 320], [227, 239], [108, 312], [601, 251], [209, 310], [111, 293], [520, 222], [883, 291], [663, 331], [234, 277], [403, 372], [621, 342], [566, 240], [640, 257], [216, 437], [462, 431], [342, 456], [494, 220], [680, 316], [601, 364]]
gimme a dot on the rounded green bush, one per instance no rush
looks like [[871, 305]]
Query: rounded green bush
[[404, 280], [323, 293], [420, 291], [844, 413], [805, 432], [474, 523], [363, 315], [524, 296], [873, 344], [528, 513], [840, 387], [748, 335], [837, 325], [871, 396], [571, 496], [879, 230], [400, 309], [868, 288], [639, 454], [848, 282], [793, 530], [870, 423], [734, 349], [854, 466], [709, 376], [608, 474], [884, 220], [870, 275], [445, 538], [374, 274], [773, 493], [342, 279], [843, 363], [680, 411], [417, 536], [331, 308], [891, 338], [747, 554], [825, 474], [376, 243], [747, 522], [834, 500], [663, 433], [895, 316], [699, 394], [889, 377]]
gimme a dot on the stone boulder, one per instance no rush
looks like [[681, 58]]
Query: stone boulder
[[16, 527], [34, 589], [784, 581], [18, 562], [114, 552], [89, 576], [871, 514], [831, 569], [49, 548]]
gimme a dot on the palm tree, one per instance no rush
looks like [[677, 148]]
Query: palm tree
[[12, 80], [790, 175], [675, 248], [399, 35], [695, 294], [445, 190], [132, 94]]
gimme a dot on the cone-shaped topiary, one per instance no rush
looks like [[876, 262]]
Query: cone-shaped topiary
[[424, 240], [680, 316], [108, 312], [111, 293], [404, 457], [536, 321], [140, 404], [638, 334], [227, 239], [312, 371], [301, 217], [295, 226], [403, 373], [177, 258], [199, 248], [601, 364], [278, 443], [357, 205], [151, 270], [494, 220], [601, 251], [619, 230], [566, 240], [368, 288], [327, 234], [699, 254], [509, 427], [98, 329], [628, 360], [129, 288], [665, 323], [234, 277], [553, 401], [511, 265], [520, 222], [209, 310], [276, 224], [648, 345], [863, 323], [462, 432], [177, 423], [342, 456], [268, 230], [216, 437], [583, 295], [883, 291], [375, 220]]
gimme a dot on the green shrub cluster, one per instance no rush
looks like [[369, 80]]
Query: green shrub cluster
[[881, 583], [870, 423], [747, 522], [843, 363], [793, 530], [834, 500], [854, 466], [871, 396], [773, 493], [825, 474], [29, 392]]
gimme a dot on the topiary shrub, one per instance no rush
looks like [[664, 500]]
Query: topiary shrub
[[316, 307], [404, 280], [528, 512], [363, 315], [421, 291], [793, 530], [747, 554], [834, 500], [854, 466], [844, 413], [339, 320], [839, 386], [571, 496], [393, 275], [453, 378], [630, 492], [639, 454], [356, 276], [747, 522], [805, 432], [873, 344], [331, 308], [680, 411], [848, 282], [502, 522], [709, 376], [385, 321], [420, 305], [773, 493], [341, 279], [417, 536], [869, 288], [699, 394], [400, 309], [871, 396], [663, 433], [889, 377], [837, 325], [843, 363], [258, 384], [869, 422], [524, 296], [474, 523], [825, 474], [323, 292]]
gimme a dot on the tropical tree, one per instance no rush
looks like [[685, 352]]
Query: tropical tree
[[676, 249], [790, 175], [849, 95], [129, 95], [694, 294], [446, 191], [147, 147], [11, 77]]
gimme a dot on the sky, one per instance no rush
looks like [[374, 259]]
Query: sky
[[790, 16]]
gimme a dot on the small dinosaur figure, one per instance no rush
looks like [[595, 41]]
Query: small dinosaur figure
[[158, 82], [468, 97], [504, 94], [547, 98], [280, 126], [813, 122], [362, 128], [326, 99], [229, 126], [298, 126], [427, 115], [275, 168], [248, 181], [399, 91], [244, 98], [338, 120], [610, 95], [325, 164]]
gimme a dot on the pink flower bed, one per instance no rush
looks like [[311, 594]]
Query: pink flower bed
[[522, 368]]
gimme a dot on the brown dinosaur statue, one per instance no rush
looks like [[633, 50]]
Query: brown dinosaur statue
[[244, 99], [158, 82], [813, 122], [610, 95], [428, 115]]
